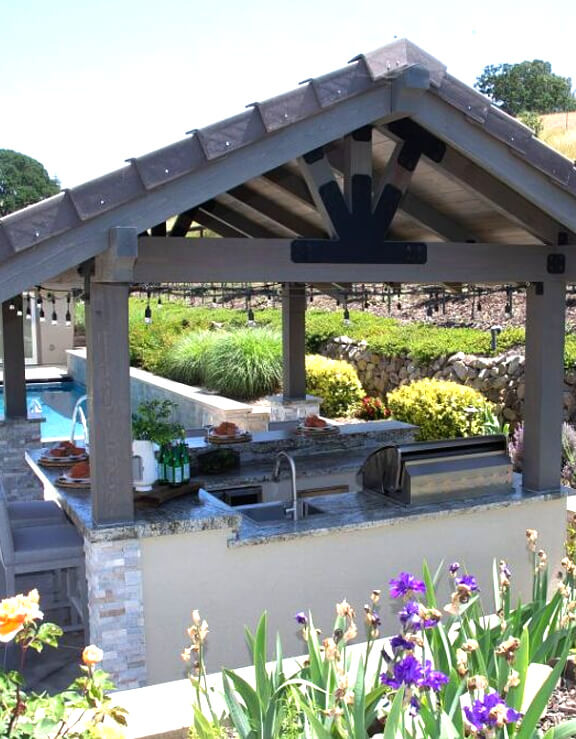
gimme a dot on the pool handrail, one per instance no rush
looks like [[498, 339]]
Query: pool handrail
[[78, 413]]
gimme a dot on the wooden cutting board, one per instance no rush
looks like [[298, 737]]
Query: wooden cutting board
[[162, 493]]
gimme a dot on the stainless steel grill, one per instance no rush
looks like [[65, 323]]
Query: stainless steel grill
[[431, 471]]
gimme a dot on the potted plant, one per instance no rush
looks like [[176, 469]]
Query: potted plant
[[150, 425]]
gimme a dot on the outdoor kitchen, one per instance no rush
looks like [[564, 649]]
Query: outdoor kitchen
[[387, 171]]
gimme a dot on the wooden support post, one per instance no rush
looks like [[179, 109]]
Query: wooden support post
[[14, 369], [545, 318], [109, 404], [294, 340]]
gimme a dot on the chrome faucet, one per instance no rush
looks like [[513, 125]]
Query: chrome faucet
[[295, 510], [78, 413]]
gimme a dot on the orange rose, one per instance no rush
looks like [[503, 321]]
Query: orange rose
[[16, 612], [92, 655]]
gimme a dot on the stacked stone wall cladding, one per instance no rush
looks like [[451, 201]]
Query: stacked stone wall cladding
[[115, 597], [499, 378], [16, 436]]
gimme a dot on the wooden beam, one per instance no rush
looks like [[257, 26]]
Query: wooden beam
[[183, 222], [394, 183], [294, 340], [325, 191], [357, 170], [543, 405], [15, 405], [237, 221], [109, 404], [222, 229], [247, 260], [117, 262], [291, 183], [159, 229], [275, 212], [430, 217]]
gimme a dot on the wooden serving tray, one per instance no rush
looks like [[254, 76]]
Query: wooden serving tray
[[163, 493]]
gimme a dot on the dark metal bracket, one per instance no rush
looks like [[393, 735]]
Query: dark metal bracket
[[556, 264]]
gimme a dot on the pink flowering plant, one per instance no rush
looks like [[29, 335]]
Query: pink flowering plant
[[452, 669], [372, 408]]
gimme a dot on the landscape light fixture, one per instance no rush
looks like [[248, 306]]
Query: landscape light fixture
[[494, 331]]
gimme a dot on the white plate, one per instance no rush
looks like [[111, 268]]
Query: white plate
[[67, 477]]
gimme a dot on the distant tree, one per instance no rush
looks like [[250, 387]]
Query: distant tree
[[528, 86], [23, 181], [532, 120]]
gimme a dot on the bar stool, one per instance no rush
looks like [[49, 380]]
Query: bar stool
[[49, 548]]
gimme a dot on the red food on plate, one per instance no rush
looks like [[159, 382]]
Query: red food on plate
[[66, 449], [226, 428], [80, 471], [313, 422]]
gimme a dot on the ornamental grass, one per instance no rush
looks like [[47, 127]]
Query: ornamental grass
[[453, 669]]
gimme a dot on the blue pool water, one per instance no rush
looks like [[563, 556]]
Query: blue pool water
[[54, 402]]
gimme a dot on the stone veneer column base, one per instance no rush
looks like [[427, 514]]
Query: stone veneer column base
[[116, 611], [16, 436]]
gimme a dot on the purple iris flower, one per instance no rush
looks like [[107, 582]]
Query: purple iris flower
[[301, 618], [408, 671], [433, 678], [453, 568], [399, 642], [405, 584], [409, 615], [469, 581], [482, 715]]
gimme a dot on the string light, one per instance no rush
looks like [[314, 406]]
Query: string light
[[346, 316], [28, 308], [54, 317], [68, 317], [11, 306], [159, 303]]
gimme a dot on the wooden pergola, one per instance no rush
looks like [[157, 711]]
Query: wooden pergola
[[388, 170]]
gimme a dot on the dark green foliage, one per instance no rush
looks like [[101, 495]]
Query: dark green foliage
[[527, 86], [532, 120], [23, 181]]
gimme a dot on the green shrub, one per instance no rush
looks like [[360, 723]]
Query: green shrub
[[244, 364], [442, 409], [336, 382]]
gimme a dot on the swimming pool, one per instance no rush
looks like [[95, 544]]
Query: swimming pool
[[54, 402]]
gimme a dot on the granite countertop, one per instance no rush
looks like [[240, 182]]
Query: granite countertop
[[341, 512]]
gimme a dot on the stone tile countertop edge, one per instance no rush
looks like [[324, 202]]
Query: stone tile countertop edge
[[346, 511]]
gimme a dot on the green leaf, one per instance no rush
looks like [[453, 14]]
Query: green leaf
[[392, 729], [565, 730], [540, 701], [320, 732], [359, 702], [521, 663], [430, 590], [249, 696], [260, 659], [237, 714]]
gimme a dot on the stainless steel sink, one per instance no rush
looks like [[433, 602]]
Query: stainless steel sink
[[270, 512]]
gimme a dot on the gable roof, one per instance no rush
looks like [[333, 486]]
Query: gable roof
[[488, 150]]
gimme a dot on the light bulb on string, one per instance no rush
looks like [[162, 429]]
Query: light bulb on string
[[148, 309], [28, 308], [54, 316], [159, 302], [38, 298], [11, 306], [68, 317]]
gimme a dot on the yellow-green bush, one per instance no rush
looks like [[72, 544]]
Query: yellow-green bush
[[336, 382], [442, 409]]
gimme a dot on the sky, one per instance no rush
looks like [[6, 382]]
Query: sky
[[85, 85]]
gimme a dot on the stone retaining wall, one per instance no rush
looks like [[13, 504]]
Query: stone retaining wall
[[500, 378]]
